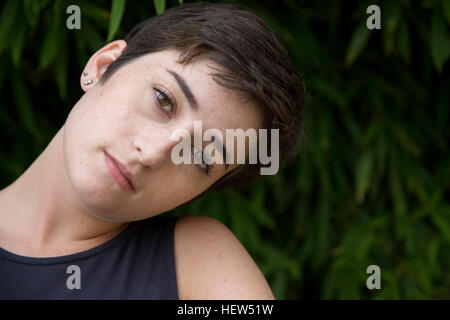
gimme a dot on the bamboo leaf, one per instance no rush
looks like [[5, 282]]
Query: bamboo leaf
[[117, 9], [328, 90], [51, 44], [18, 43], [397, 191], [3, 71], [100, 16], [392, 16], [160, 6], [61, 75], [94, 40], [358, 41], [404, 42], [24, 106], [364, 172], [446, 10], [259, 212], [32, 9], [439, 41], [280, 284], [441, 219], [8, 17]]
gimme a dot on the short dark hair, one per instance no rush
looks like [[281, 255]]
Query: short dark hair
[[251, 58]]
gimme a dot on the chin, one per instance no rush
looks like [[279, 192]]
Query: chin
[[93, 191]]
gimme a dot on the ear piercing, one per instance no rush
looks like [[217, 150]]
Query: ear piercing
[[87, 82]]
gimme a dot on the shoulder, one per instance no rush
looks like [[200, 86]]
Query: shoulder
[[211, 263]]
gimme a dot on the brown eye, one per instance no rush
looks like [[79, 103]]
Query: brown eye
[[164, 101]]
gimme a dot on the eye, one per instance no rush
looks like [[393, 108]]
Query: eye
[[198, 154], [164, 101]]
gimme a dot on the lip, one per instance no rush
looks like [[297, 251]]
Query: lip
[[119, 173]]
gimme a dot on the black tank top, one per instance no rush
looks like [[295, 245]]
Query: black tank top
[[138, 263]]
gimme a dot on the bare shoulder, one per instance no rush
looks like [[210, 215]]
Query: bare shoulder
[[211, 263]]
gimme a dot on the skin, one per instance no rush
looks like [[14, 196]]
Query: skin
[[67, 201]]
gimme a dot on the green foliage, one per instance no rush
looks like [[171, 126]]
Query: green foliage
[[118, 6], [160, 6], [370, 185]]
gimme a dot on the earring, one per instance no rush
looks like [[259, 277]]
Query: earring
[[85, 74], [87, 82]]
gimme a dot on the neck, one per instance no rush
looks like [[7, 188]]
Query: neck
[[40, 214]]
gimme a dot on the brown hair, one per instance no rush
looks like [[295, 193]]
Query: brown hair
[[251, 59]]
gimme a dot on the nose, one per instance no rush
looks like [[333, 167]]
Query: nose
[[155, 150]]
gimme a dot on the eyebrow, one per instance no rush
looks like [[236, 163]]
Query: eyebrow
[[194, 105], [185, 88]]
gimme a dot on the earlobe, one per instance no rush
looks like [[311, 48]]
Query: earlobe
[[100, 61]]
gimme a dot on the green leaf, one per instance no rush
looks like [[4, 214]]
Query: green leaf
[[280, 284], [395, 185], [322, 234], [351, 125], [358, 41], [404, 43], [392, 14], [95, 13], [51, 44], [330, 286], [92, 37], [402, 135], [304, 174], [281, 260], [117, 9], [439, 41], [259, 212], [441, 219], [7, 21], [24, 105], [160, 6], [43, 3], [363, 175], [61, 75], [4, 64], [432, 252], [328, 90], [32, 12], [446, 9], [81, 51], [18, 43]]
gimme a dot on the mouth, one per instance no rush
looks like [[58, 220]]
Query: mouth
[[119, 173]]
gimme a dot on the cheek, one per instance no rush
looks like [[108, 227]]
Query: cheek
[[99, 119], [82, 122], [174, 186]]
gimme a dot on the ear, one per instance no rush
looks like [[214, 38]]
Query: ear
[[100, 61]]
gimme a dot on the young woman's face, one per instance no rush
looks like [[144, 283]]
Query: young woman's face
[[132, 117]]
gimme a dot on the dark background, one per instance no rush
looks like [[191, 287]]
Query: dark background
[[371, 183]]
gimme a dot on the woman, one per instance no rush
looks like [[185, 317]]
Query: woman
[[82, 221]]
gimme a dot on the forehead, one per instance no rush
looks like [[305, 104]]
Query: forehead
[[219, 107]]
